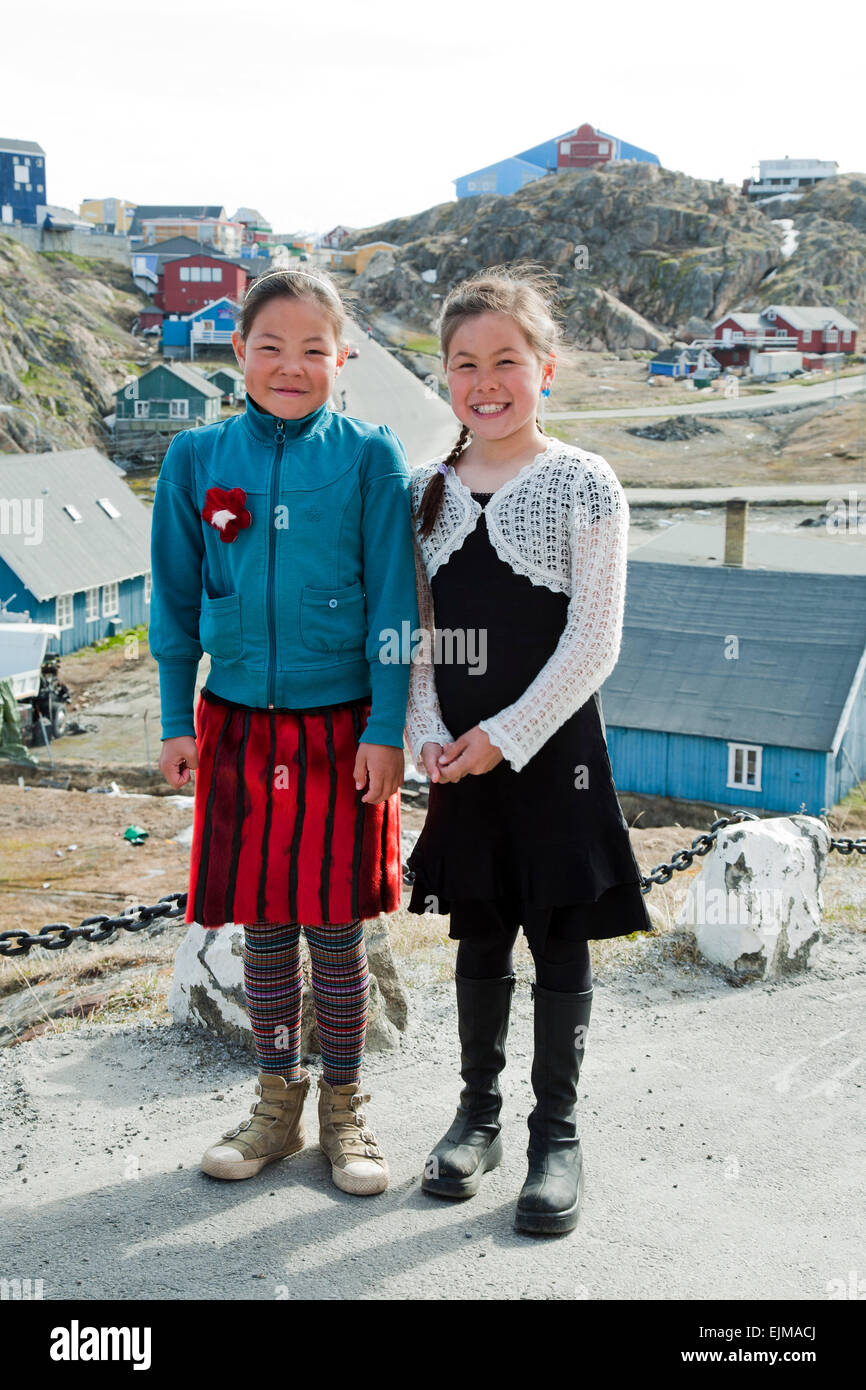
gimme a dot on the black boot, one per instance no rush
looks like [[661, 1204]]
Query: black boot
[[472, 1145], [550, 1197]]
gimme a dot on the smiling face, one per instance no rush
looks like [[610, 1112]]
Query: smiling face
[[494, 376], [291, 357]]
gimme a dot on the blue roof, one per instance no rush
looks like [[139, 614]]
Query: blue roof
[[802, 638]]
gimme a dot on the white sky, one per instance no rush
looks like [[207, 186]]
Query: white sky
[[356, 111]]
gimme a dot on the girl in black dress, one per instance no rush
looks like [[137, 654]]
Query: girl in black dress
[[521, 563]]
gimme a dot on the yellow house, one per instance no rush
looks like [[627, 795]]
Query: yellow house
[[343, 260], [112, 214], [365, 253]]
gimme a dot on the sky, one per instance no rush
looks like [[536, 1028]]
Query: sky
[[359, 112]]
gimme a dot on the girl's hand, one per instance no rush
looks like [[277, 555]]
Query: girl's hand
[[385, 766], [430, 755], [177, 757], [470, 753]]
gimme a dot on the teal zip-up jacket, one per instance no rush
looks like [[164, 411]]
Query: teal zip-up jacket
[[295, 610]]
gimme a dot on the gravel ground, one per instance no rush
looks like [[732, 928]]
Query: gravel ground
[[722, 1129]]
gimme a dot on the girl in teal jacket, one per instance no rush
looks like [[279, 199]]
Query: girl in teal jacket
[[282, 546]]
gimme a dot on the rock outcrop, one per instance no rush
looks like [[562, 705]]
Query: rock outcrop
[[65, 347], [643, 255]]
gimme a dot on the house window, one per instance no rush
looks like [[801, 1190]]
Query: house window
[[29, 188], [566, 149], [39, 188], [205, 272], [110, 605], [184, 272], [142, 410], [108, 507], [216, 272], [207, 325], [770, 314], [148, 585], [72, 511], [195, 272], [91, 605], [19, 173], [738, 335], [63, 610], [178, 410], [831, 335], [807, 335], [744, 766], [602, 148], [846, 336]]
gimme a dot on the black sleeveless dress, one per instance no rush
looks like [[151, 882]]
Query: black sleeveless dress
[[552, 835]]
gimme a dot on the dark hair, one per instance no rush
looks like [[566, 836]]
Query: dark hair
[[525, 292], [294, 284]]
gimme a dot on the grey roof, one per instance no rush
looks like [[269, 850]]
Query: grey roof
[[810, 316], [226, 371], [802, 638], [20, 147], [74, 555]]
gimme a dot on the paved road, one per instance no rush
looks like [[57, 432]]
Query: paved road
[[722, 1130], [380, 389], [783, 396]]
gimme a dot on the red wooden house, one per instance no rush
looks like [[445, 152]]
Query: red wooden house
[[812, 330], [190, 282]]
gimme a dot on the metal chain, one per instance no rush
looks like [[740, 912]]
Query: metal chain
[[58, 935]]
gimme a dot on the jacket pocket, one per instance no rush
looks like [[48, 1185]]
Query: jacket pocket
[[333, 620], [220, 626]]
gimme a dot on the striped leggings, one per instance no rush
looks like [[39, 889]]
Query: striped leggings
[[273, 983]]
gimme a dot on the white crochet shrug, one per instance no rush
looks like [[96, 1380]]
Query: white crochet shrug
[[563, 522]]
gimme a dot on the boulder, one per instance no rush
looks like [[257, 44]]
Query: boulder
[[208, 988], [756, 905]]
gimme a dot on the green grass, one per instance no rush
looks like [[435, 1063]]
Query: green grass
[[117, 639], [426, 343]]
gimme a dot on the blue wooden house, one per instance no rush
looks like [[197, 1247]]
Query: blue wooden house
[[739, 687], [506, 176], [22, 183], [78, 553], [212, 325], [686, 361]]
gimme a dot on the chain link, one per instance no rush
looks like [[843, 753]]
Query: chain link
[[56, 936]]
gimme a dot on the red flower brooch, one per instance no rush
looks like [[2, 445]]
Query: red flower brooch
[[224, 508]]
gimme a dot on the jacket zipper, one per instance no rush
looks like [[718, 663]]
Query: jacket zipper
[[275, 476]]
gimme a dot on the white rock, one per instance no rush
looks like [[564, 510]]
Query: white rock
[[208, 987], [756, 905]]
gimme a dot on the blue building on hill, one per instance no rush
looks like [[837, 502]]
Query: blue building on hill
[[22, 183], [210, 326], [739, 687], [586, 147]]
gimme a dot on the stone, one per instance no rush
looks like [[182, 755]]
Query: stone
[[756, 905], [208, 988]]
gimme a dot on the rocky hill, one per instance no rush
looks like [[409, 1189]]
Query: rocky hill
[[644, 255], [65, 346]]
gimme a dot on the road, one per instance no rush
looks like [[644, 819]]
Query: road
[[380, 389], [722, 1132], [782, 397]]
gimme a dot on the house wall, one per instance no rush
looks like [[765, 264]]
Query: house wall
[[177, 296], [132, 610], [696, 769], [21, 201]]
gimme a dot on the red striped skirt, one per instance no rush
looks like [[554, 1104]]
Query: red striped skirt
[[280, 833]]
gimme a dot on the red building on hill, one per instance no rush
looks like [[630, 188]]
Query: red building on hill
[[191, 282]]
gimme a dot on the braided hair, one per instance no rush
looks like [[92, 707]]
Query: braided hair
[[525, 294]]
